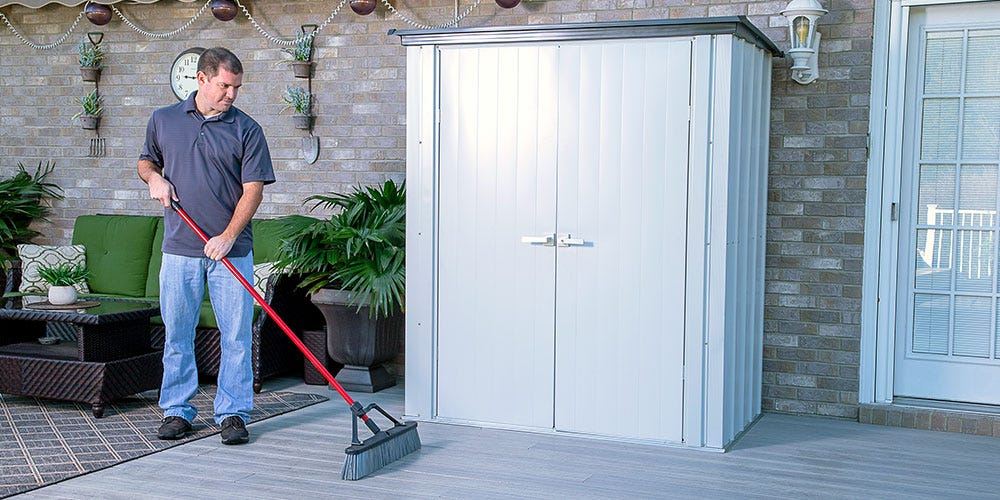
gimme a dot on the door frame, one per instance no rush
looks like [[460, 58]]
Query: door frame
[[885, 133]]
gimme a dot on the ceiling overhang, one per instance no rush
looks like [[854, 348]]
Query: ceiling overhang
[[36, 4]]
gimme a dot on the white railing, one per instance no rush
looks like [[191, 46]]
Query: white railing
[[975, 247]]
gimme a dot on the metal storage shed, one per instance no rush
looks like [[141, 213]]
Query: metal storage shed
[[585, 236]]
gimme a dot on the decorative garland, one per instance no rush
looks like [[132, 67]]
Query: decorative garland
[[273, 39]]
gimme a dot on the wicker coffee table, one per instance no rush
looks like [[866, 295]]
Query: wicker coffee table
[[110, 358]]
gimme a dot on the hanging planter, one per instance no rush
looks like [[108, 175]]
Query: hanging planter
[[90, 74], [91, 56], [89, 122], [303, 122], [302, 69]]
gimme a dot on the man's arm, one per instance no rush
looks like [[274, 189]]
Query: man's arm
[[220, 245], [159, 187]]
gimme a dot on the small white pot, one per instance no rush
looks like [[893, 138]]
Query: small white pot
[[62, 295]]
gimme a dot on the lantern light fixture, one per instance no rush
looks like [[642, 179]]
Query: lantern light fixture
[[803, 38], [224, 10], [98, 14]]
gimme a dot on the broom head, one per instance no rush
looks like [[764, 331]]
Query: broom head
[[383, 448]]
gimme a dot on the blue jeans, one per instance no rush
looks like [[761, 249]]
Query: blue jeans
[[182, 289]]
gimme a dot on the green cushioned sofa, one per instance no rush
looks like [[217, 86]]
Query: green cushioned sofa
[[123, 256]]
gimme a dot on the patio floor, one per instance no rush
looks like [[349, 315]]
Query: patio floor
[[299, 456]]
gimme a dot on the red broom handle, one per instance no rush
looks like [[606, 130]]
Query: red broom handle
[[270, 311]]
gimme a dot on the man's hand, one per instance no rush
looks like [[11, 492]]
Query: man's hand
[[161, 189], [218, 247]]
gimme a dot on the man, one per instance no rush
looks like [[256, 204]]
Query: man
[[213, 159]]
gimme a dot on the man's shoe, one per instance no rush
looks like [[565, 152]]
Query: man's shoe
[[173, 428], [234, 431]]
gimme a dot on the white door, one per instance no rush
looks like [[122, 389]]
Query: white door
[[562, 234], [497, 185], [623, 145], [947, 345]]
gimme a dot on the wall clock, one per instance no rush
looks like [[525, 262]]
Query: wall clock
[[184, 71]]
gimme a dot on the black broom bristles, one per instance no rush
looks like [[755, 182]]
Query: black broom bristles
[[383, 448]]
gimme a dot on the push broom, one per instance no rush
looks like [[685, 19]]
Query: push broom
[[363, 457]]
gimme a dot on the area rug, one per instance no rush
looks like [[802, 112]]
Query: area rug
[[43, 441]]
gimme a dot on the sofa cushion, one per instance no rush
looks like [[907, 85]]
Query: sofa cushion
[[155, 258], [268, 235], [118, 251]]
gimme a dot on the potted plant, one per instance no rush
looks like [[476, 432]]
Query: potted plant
[[91, 57], [93, 106], [299, 100], [353, 264], [62, 279], [300, 56], [22, 202]]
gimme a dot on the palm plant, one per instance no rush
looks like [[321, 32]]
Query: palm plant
[[360, 248], [21, 203]]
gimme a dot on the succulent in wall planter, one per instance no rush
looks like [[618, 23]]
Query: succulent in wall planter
[[299, 100], [91, 56], [92, 107], [62, 280], [301, 56]]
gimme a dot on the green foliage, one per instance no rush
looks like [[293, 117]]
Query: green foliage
[[21, 203], [92, 104], [360, 248], [298, 99], [64, 274], [302, 50], [91, 55]]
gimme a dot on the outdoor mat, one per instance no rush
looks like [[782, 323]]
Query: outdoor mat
[[44, 441]]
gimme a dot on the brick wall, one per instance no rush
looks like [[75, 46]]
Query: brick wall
[[818, 138]]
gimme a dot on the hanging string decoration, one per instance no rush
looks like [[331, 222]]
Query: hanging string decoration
[[38, 46]]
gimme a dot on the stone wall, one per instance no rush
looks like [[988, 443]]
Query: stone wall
[[818, 138]]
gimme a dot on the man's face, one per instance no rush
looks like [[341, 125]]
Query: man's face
[[218, 93]]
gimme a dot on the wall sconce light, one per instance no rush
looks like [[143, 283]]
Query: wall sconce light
[[224, 10], [97, 13], [803, 37]]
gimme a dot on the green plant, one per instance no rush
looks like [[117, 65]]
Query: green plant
[[91, 54], [302, 50], [360, 248], [21, 203], [298, 99], [64, 274], [92, 104]]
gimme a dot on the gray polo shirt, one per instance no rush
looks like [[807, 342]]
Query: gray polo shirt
[[207, 160]]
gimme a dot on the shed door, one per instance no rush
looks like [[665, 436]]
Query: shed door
[[584, 144], [947, 346]]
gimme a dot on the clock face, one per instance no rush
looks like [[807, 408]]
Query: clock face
[[184, 71]]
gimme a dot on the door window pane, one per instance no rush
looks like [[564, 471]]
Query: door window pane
[[972, 327], [981, 129], [939, 129], [974, 257], [983, 72], [940, 76], [930, 323], [977, 196], [933, 268], [936, 195]]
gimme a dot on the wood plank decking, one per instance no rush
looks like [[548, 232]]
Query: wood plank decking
[[299, 456]]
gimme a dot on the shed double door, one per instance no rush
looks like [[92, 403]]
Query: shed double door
[[562, 227]]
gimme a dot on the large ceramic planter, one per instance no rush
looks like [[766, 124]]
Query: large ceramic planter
[[359, 342]]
